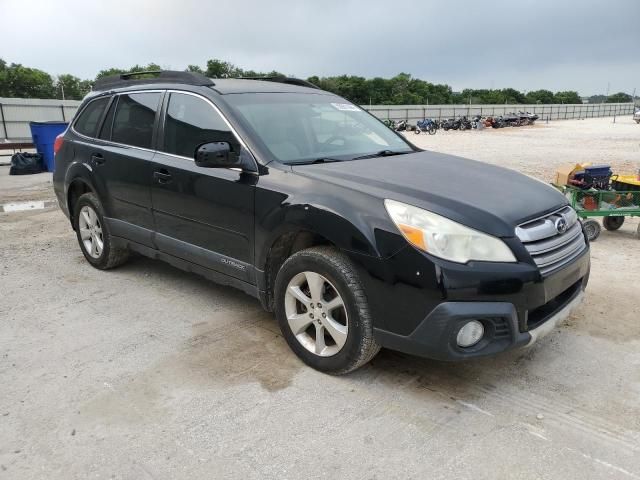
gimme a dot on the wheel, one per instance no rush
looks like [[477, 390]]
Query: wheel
[[612, 223], [417, 130], [323, 311], [592, 228], [93, 234], [432, 130]]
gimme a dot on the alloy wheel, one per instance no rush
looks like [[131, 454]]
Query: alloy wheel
[[91, 231], [316, 314]]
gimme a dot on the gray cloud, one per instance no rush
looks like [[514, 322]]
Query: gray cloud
[[526, 44]]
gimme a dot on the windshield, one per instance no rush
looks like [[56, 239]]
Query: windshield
[[306, 127]]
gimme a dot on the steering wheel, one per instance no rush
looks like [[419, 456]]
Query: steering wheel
[[334, 138]]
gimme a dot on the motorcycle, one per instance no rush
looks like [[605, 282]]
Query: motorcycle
[[465, 124], [451, 124], [401, 126], [427, 125], [528, 118], [497, 122], [390, 123]]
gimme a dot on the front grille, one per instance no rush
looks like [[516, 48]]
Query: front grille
[[550, 249]]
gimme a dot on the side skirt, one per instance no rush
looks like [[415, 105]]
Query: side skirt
[[187, 266]]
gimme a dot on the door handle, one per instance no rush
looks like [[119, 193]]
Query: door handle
[[162, 176], [97, 158]]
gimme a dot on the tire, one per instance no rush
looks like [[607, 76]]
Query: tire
[[332, 273], [432, 130], [417, 130], [592, 228], [88, 208], [612, 223]]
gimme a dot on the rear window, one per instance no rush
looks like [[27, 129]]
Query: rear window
[[134, 118], [87, 122]]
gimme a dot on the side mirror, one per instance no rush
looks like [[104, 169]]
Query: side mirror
[[217, 155]]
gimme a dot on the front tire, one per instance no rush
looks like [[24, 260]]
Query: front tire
[[94, 236], [323, 311]]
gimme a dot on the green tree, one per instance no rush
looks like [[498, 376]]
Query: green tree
[[194, 68], [4, 82], [597, 98], [72, 87], [221, 69], [567, 97], [619, 97], [151, 67], [539, 96], [23, 82]]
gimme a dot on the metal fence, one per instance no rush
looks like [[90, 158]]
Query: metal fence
[[413, 113], [16, 113]]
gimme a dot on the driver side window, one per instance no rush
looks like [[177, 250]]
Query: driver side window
[[190, 121]]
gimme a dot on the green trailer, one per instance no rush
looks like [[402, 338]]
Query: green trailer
[[612, 205]]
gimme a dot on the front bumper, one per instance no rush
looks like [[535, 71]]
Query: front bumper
[[419, 306], [435, 336]]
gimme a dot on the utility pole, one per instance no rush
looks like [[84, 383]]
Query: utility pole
[[62, 89]]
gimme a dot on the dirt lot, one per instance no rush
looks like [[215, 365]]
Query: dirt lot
[[149, 372]]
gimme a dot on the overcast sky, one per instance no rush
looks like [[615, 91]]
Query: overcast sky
[[526, 44]]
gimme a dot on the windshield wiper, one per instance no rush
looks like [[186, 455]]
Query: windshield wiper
[[381, 153], [315, 160]]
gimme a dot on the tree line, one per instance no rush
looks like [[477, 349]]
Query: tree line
[[19, 81]]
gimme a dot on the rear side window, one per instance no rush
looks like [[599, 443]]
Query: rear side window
[[87, 122], [134, 118], [190, 122], [105, 132]]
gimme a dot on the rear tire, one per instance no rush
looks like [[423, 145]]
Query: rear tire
[[592, 229], [612, 223], [94, 236], [323, 312]]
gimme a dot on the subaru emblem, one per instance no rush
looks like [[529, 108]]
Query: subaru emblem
[[561, 225]]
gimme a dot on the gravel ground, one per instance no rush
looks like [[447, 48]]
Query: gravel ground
[[149, 372]]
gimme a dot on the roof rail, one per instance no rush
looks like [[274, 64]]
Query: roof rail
[[160, 76], [283, 79]]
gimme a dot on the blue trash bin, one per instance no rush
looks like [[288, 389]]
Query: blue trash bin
[[44, 135]]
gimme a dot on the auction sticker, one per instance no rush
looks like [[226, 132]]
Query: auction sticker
[[346, 107]]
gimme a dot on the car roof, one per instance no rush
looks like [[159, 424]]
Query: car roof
[[241, 85]]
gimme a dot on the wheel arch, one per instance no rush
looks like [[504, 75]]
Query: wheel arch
[[77, 187], [285, 243]]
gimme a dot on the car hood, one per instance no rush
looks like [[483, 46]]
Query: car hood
[[482, 196]]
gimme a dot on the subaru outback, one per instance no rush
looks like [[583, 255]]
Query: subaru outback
[[353, 236]]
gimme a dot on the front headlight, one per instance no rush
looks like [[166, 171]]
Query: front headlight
[[445, 238]]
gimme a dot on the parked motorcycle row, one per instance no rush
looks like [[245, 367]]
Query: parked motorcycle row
[[431, 126]]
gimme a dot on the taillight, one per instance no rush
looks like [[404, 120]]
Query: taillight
[[57, 145]]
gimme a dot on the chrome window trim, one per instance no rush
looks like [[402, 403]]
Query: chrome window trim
[[79, 114], [224, 119], [110, 142], [215, 107]]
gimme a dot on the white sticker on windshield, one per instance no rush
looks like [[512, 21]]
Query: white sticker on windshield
[[346, 107]]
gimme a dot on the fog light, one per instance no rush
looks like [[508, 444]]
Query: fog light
[[470, 334]]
